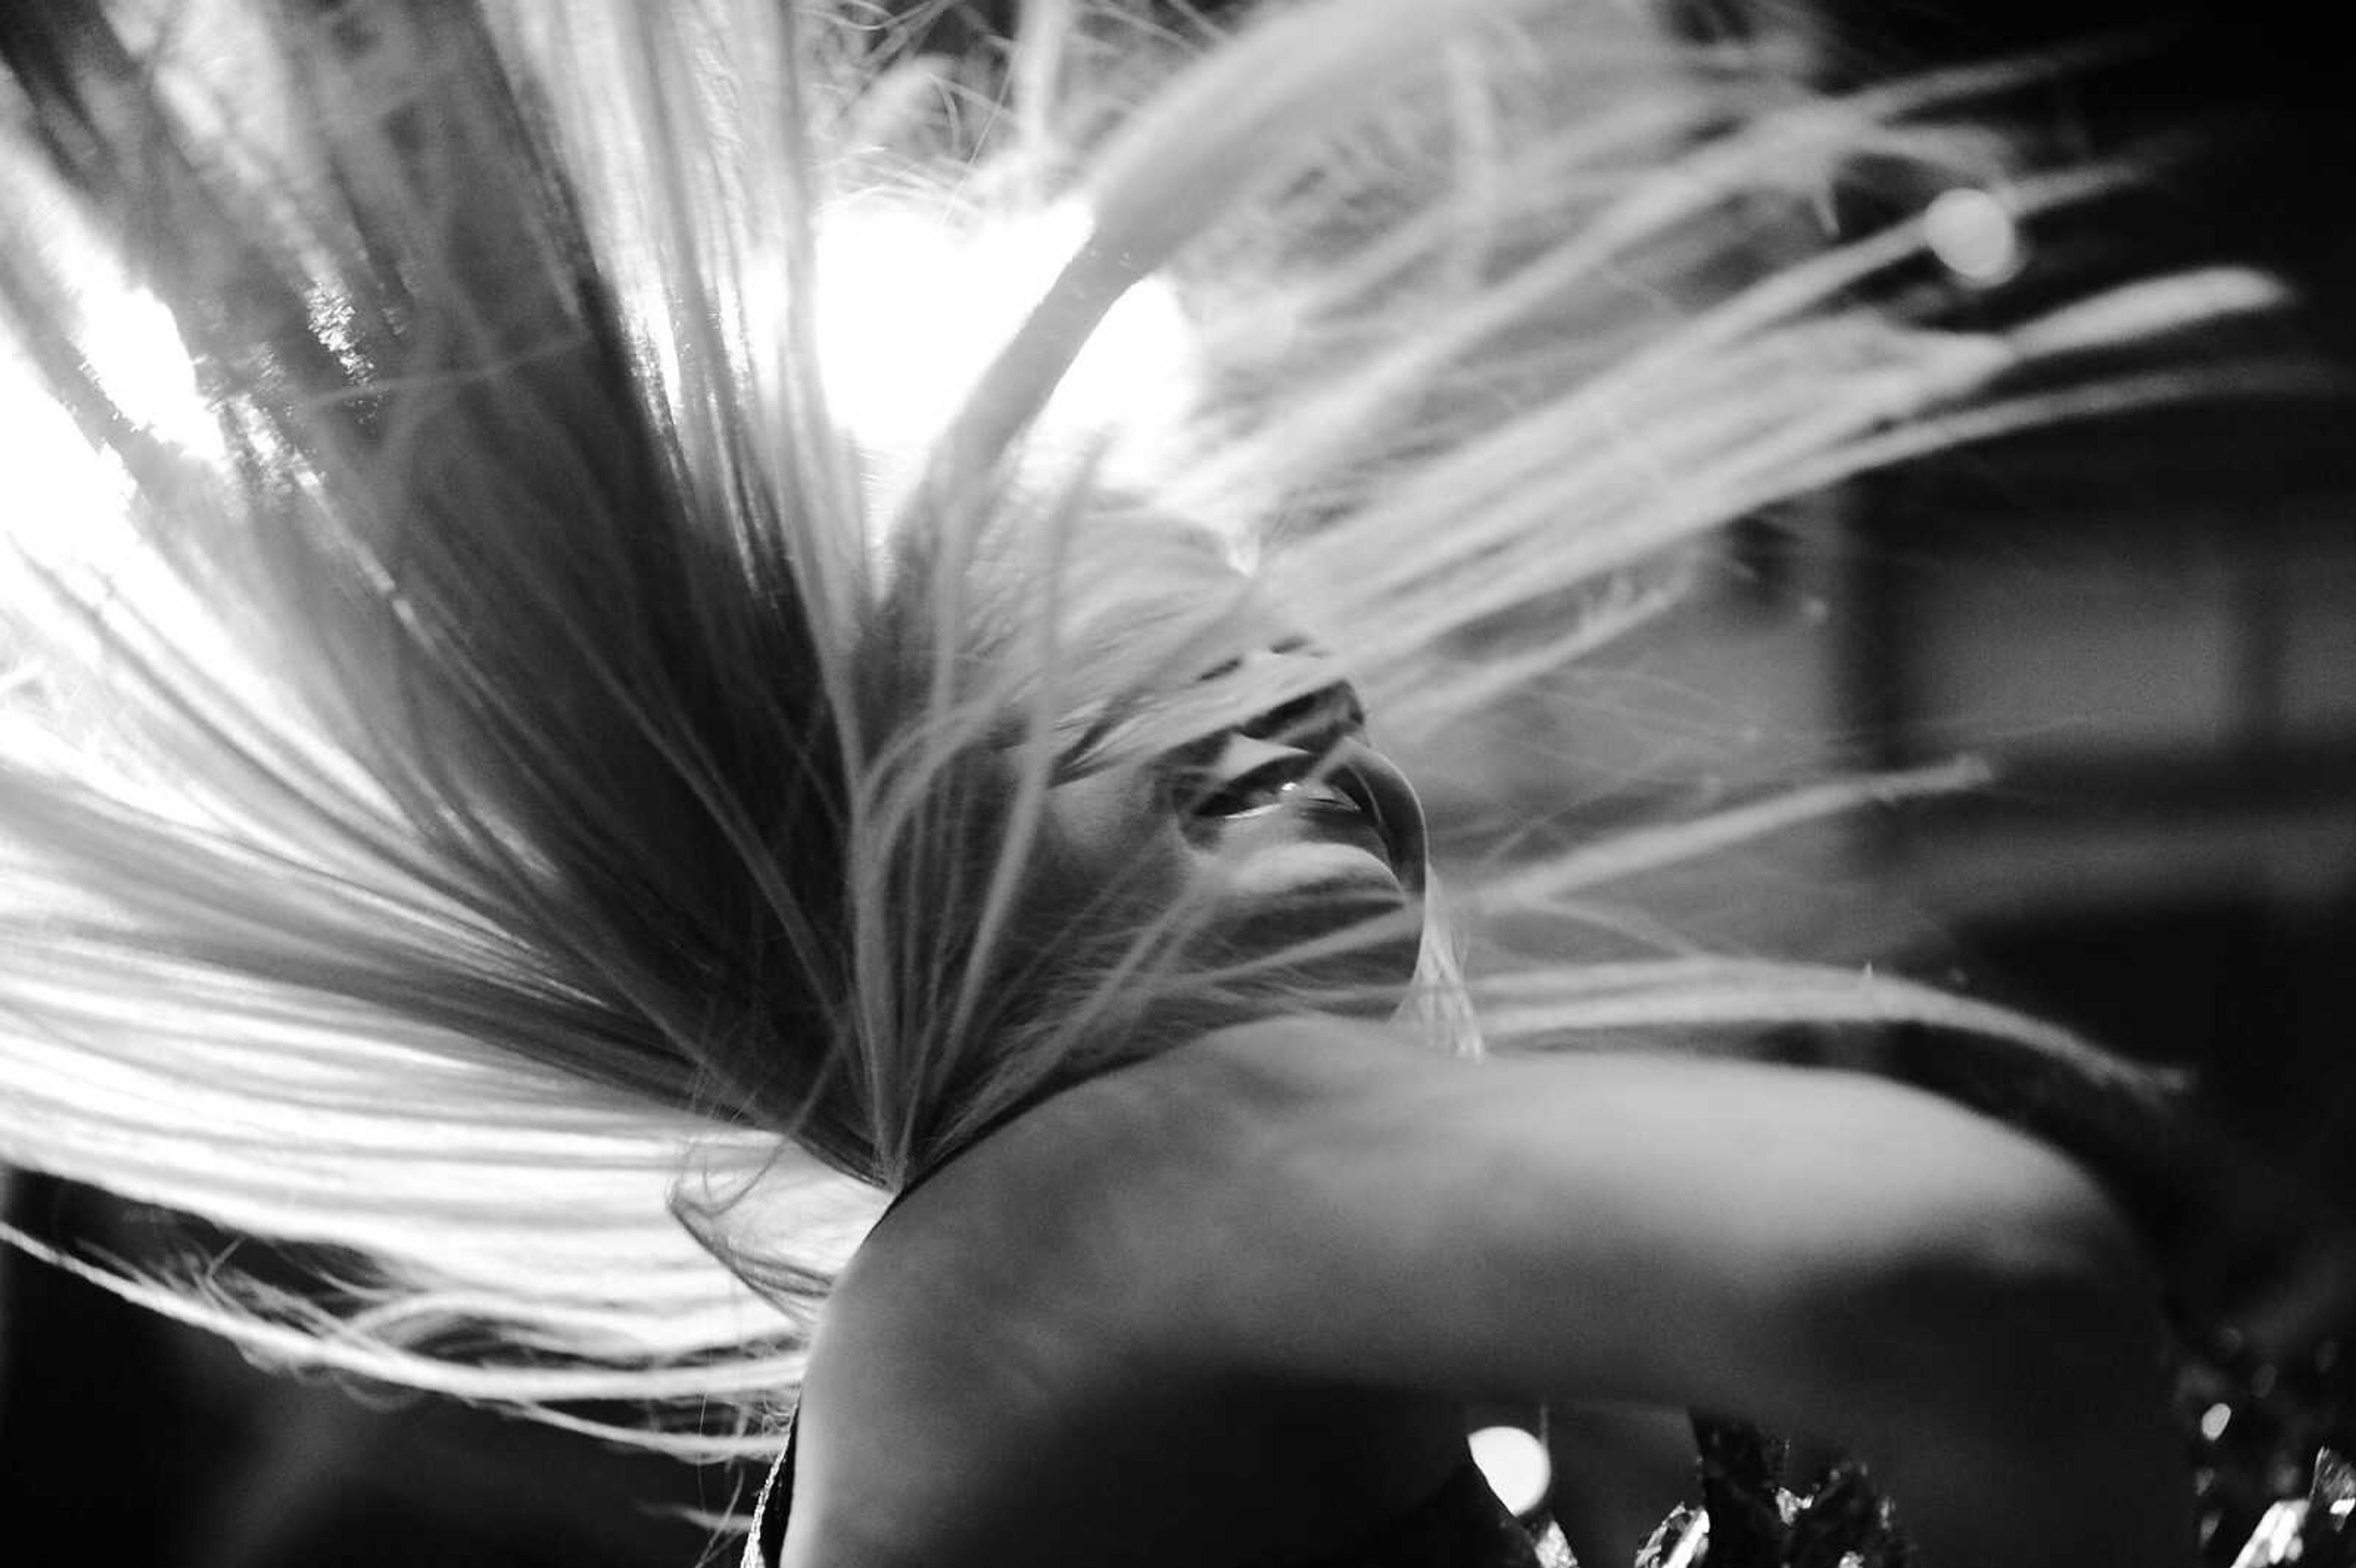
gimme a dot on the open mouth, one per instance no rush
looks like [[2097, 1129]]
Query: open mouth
[[1350, 793]]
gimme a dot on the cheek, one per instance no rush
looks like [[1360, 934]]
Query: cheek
[[1110, 836], [1100, 816], [1368, 972]]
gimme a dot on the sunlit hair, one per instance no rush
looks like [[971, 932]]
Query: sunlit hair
[[523, 749]]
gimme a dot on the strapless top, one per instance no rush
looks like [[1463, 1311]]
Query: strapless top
[[1460, 1525]]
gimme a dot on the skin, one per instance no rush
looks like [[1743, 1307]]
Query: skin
[[1264, 1271], [1326, 836], [1266, 1267]]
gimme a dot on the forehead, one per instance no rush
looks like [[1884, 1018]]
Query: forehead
[[1139, 602], [1175, 594], [1104, 637], [1111, 814]]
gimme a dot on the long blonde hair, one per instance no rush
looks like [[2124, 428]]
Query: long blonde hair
[[532, 734]]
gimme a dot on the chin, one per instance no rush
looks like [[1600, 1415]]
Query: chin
[[1322, 898], [1309, 871]]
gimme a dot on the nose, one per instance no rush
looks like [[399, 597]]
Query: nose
[[1242, 754]]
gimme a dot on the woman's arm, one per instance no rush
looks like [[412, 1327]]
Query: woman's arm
[[1826, 1253]]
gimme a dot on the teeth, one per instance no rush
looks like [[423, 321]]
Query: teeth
[[1246, 796]]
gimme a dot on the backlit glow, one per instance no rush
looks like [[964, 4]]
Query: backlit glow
[[69, 498], [911, 308], [1516, 1466], [1973, 235]]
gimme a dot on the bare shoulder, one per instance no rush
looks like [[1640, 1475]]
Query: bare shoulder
[[1339, 1155], [1013, 1367], [1164, 1254], [1341, 1121]]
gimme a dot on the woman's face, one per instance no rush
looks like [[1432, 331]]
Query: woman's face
[[1281, 831]]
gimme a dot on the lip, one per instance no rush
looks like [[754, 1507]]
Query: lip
[[1377, 812], [1381, 792], [1334, 822]]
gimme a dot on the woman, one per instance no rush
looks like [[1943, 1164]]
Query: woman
[[551, 742]]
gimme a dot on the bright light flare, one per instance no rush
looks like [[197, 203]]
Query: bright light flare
[[1515, 1465], [69, 499], [1974, 235], [912, 309], [71, 526]]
